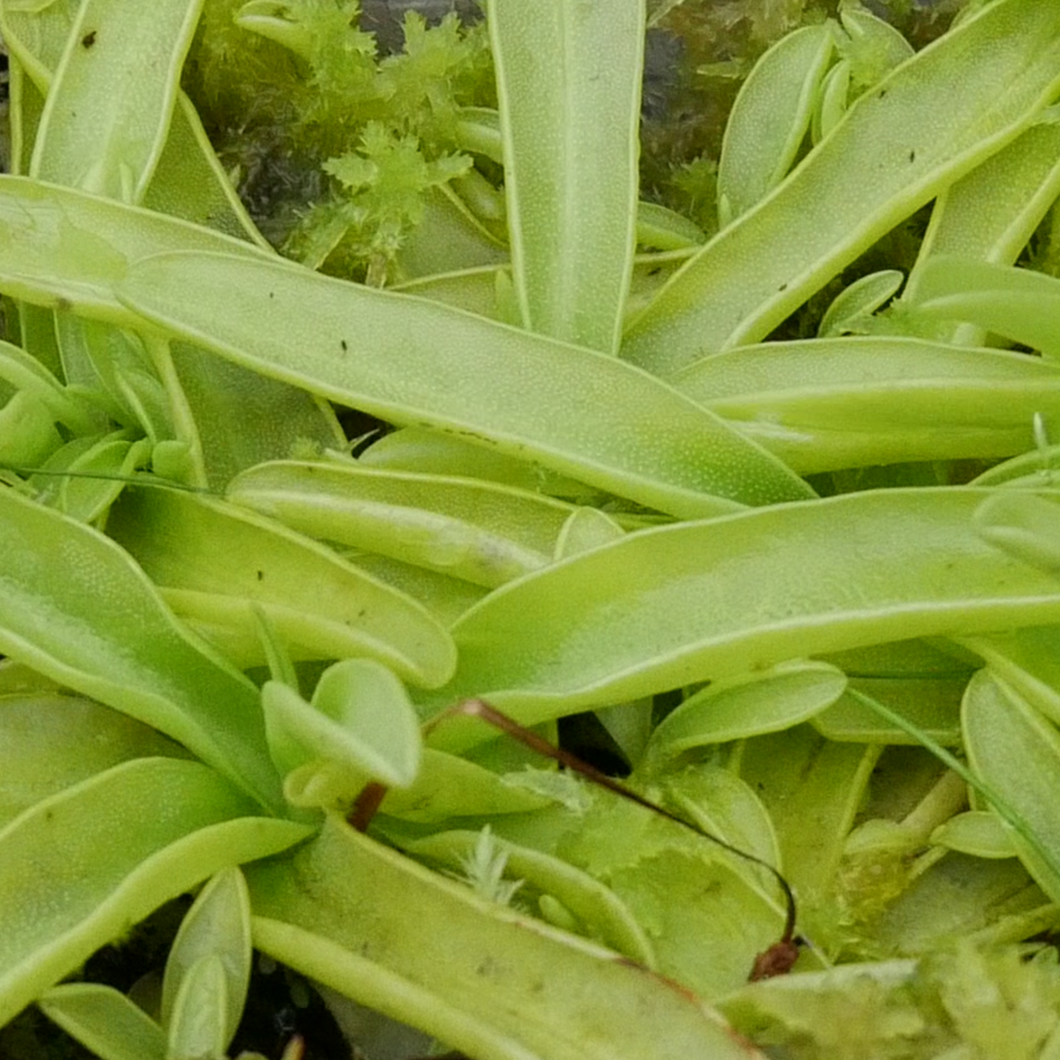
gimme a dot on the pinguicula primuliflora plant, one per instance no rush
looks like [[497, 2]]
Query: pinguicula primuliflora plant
[[807, 587]]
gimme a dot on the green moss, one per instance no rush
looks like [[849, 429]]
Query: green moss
[[333, 145], [961, 1002], [336, 140]]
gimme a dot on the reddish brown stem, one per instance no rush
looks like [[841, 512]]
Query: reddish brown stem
[[777, 960], [366, 806]]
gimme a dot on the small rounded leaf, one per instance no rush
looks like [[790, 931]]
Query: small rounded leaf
[[360, 721], [977, 832], [734, 710]]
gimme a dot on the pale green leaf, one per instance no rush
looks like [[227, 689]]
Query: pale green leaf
[[421, 363], [494, 984], [895, 150], [770, 117], [321, 605], [673, 605], [1015, 752], [218, 926], [1023, 525], [197, 1024], [861, 299], [360, 723], [732, 710], [990, 214], [976, 832], [96, 624], [77, 869], [1015, 302], [568, 85], [49, 742], [478, 531], [121, 88], [827, 404], [105, 1021]]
